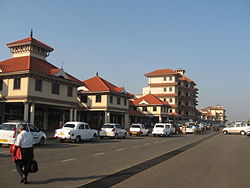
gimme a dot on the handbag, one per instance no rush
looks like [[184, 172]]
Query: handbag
[[33, 167]]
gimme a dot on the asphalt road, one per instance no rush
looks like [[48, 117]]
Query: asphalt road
[[212, 160]]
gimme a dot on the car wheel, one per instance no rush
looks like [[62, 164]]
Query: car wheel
[[62, 141], [225, 132], [154, 135], [242, 133], [116, 136], [0, 145], [78, 139], [42, 141], [101, 137], [130, 134], [94, 138]]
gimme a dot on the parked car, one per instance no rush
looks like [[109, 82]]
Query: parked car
[[8, 133], [191, 127], [112, 130], [138, 129], [161, 129], [76, 131], [238, 128]]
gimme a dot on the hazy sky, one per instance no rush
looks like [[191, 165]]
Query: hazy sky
[[124, 39]]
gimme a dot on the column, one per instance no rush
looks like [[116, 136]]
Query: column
[[160, 119], [45, 118], [75, 114], [26, 112], [32, 113], [126, 121], [71, 114], [107, 117]]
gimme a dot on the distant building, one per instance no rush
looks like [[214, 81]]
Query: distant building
[[34, 90], [214, 113], [103, 102], [178, 90], [148, 109]]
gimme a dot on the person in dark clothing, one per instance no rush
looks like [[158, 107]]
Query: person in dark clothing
[[24, 140]]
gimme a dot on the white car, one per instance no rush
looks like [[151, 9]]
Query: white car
[[138, 129], [76, 131], [161, 129], [238, 128], [8, 133], [113, 130], [190, 127]]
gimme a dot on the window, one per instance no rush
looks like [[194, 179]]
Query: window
[[1, 85], [170, 100], [144, 109], [111, 99], [164, 89], [125, 102], [186, 103], [170, 78], [154, 108], [170, 111], [170, 89], [17, 83], [87, 126], [186, 94], [135, 108], [84, 98], [165, 78], [55, 88], [70, 91], [164, 99], [118, 100], [38, 85], [98, 98]]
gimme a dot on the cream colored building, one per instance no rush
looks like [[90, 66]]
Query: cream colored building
[[214, 113], [178, 90], [102, 102], [34, 90]]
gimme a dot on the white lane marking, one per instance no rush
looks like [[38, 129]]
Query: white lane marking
[[67, 160], [146, 144], [14, 170], [136, 146], [98, 154], [121, 149], [156, 142]]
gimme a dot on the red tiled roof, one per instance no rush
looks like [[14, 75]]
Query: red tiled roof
[[166, 95], [136, 113], [30, 39], [99, 84], [161, 72], [150, 99], [33, 64], [174, 114], [185, 78]]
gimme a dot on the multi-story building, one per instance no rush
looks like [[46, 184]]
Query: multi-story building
[[103, 102], [34, 90], [174, 87], [215, 113], [148, 109]]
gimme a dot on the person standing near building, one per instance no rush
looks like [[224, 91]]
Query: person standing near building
[[24, 140]]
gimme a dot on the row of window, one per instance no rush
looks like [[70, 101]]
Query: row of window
[[145, 109], [55, 88], [169, 78], [98, 99], [170, 89]]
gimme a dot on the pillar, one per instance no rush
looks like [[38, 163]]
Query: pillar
[[107, 117], [32, 113], [160, 119], [26, 112], [75, 114], [126, 121], [45, 118], [71, 114]]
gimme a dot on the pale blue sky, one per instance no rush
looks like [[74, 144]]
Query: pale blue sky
[[124, 39]]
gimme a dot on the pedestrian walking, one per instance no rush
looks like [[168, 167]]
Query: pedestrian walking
[[23, 159]]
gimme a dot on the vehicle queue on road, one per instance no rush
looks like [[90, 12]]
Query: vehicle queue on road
[[81, 131]]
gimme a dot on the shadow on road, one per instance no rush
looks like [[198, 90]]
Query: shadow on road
[[64, 179]]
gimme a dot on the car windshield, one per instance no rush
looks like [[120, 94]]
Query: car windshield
[[7, 127], [135, 126], [159, 126], [69, 126], [108, 126]]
